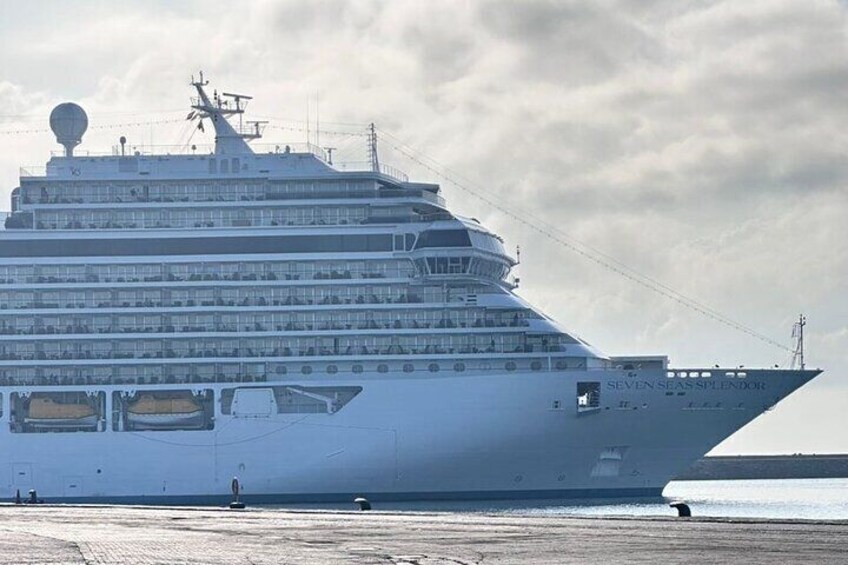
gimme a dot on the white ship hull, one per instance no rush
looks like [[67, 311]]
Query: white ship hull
[[492, 436]]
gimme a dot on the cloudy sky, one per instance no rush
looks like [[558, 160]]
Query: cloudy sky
[[702, 144]]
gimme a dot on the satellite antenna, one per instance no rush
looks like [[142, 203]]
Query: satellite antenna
[[68, 122]]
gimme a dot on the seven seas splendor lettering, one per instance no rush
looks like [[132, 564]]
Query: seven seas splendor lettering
[[685, 385]]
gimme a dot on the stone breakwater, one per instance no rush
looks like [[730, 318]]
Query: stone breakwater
[[53, 535]]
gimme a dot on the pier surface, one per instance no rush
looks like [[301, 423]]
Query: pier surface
[[52, 535]]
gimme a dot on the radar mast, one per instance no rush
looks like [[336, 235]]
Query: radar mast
[[229, 139], [798, 336]]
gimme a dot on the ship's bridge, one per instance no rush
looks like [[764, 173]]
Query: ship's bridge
[[461, 247]]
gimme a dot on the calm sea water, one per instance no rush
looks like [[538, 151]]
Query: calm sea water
[[813, 499]]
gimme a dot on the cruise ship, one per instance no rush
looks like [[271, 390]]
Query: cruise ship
[[172, 322]]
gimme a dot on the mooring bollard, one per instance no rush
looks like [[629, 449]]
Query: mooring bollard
[[18, 496], [683, 510], [236, 504], [363, 503]]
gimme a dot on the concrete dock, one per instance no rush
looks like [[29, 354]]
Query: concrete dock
[[52, 535]]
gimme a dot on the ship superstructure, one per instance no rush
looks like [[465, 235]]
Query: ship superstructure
[[171, 321]]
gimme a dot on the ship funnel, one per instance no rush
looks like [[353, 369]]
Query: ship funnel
[[68, 121]]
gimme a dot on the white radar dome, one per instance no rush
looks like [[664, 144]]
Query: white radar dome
[[68, 121]]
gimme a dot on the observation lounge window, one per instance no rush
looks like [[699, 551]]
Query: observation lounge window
[[443, 238]]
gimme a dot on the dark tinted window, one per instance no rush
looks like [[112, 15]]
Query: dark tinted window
[[195, 245], [443, 238]]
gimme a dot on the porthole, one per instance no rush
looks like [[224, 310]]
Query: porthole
[[332, 369], [281, 369], [433, 367], [382, 368], [536, 365], [306, 370], [408, 367], [357, 368], [561, 365], [459, 367], [510, 365]]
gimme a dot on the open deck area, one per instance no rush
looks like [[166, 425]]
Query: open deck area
[[152, 535]]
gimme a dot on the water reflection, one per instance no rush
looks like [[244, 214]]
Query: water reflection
[[814, 499]]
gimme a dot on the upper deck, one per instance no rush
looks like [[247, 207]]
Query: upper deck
[[184, 163]]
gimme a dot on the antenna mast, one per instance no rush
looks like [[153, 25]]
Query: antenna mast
[[798, 336], [229, 139], [516, 280], [372, 148]]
